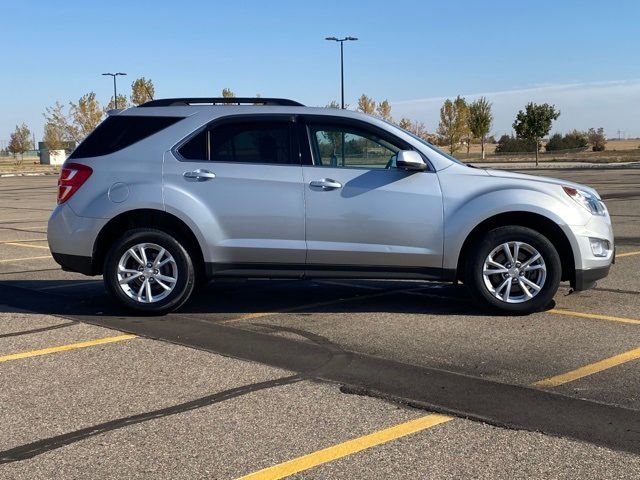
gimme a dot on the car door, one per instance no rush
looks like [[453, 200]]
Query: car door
[[240, 181], [362, 213]]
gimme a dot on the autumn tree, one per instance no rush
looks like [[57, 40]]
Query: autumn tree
[[366, 105], [142, 91], [404, 123], [597, 139], [58, 130], [123, 103], [480, 120], [86, 115], [453, 123], [383, 110], [535, 122], [20, 141]]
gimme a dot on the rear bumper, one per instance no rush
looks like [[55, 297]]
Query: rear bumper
[[586, 279], [74, 263]]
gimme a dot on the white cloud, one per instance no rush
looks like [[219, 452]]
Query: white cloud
[[614, 105]]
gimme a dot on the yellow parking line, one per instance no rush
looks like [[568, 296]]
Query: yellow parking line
[[349, 447], [627, 254], [16, 244], [65, 348], [589, 369], [10, 260], [596, 316], [24, 241]]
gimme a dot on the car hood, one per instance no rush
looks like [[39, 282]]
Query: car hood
[[535, 178]]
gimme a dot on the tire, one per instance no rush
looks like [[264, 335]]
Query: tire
[[488, 284], [171, 278]]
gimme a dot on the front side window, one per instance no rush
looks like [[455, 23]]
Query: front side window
[[338, 146], [247, 142]]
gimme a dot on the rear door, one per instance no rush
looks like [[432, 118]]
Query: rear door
[[363, 214], [242, 178]]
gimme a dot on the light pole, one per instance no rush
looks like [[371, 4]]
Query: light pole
[[115, 93], [341, 41]]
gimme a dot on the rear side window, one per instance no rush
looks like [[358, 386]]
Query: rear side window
[[118, 132], [247, 142]]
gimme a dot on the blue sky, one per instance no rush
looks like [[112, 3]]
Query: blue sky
[[580, 55]]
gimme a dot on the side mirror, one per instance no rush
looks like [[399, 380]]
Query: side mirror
[[410, 160]]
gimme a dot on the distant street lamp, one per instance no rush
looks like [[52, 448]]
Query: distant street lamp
[[115, 92], [341, 41]]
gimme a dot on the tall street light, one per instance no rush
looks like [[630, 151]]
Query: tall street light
[[115, 93], [341, 41]]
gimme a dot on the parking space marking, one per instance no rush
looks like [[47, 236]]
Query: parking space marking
[[627, 254], [66, 348], [24, 241], [10, 260], [20, 244], [590, 369], [349, 447], [594, 316]]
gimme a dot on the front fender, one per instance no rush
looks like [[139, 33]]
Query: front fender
[[463, 216]]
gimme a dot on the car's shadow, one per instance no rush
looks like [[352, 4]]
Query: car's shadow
[[224, 300]]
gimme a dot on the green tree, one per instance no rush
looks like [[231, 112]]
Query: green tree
[[453, 125], [366, 104], [535, 122], [58, 131], [20, 141], [86, 115], [123, 103], [597, 139], [142, 91], [333, 104], [383, 110], [480, 120]]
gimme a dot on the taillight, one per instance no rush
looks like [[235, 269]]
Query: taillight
[[72, 176]]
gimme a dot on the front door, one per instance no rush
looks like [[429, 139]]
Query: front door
[[243, 180], [363, 214]]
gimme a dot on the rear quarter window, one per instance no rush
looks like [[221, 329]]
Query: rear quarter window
[[118, 132]]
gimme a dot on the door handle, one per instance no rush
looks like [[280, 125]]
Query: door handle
[[199, 175], [325, 184]]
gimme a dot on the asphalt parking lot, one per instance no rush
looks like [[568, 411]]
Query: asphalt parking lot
[[315, 379]]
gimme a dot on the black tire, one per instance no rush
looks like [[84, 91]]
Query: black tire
[[483, 246], [184, 283]]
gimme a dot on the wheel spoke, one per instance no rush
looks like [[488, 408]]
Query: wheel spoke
[[142, 287], [135, 256], [162, 284], [507, 252], [149, 296], [143, 254], [133, 276], [535, 286], [502, 285], [524, 288], [493, 263], [507, 291], [530, 261], [490, 271], [535, 267], [158, 258], [164, 262], [165, 278], [516, 250]]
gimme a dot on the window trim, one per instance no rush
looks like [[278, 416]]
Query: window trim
[[244, 118], [305, 121]]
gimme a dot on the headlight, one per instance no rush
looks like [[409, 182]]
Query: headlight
[[586, 199]]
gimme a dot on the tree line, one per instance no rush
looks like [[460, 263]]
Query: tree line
[[461, 122]]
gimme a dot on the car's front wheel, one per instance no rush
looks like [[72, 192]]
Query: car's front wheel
[[513, 269], [149, 271]]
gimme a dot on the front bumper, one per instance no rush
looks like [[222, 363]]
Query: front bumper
[[586, 279]]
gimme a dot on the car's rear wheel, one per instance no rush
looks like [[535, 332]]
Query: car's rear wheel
[[149, 271], [513, 269]]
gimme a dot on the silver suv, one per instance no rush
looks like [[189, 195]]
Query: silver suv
[[179, 191]]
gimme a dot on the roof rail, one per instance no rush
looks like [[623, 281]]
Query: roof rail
[[174, 102]]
